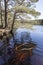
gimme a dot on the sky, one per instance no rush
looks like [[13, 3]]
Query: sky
[[39, 7]]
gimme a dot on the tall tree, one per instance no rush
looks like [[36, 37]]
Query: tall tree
[[24, 6], [1, 14], [20, 8]]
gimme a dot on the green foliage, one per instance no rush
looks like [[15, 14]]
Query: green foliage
[[24, 9], [34, 1], [21, 7]]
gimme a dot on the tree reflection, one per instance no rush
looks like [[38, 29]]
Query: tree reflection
[[17, 55], [22, 37]]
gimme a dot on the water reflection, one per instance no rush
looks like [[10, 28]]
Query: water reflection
[[22, 36], [37, 36], [19, 38]]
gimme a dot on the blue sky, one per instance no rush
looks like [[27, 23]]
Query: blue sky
[[39, 7]]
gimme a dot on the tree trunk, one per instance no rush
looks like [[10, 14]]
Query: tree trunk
[[1, 14], [13, 20], [5, 2]]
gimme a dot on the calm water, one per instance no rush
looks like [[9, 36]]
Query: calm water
[[37, 36]]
